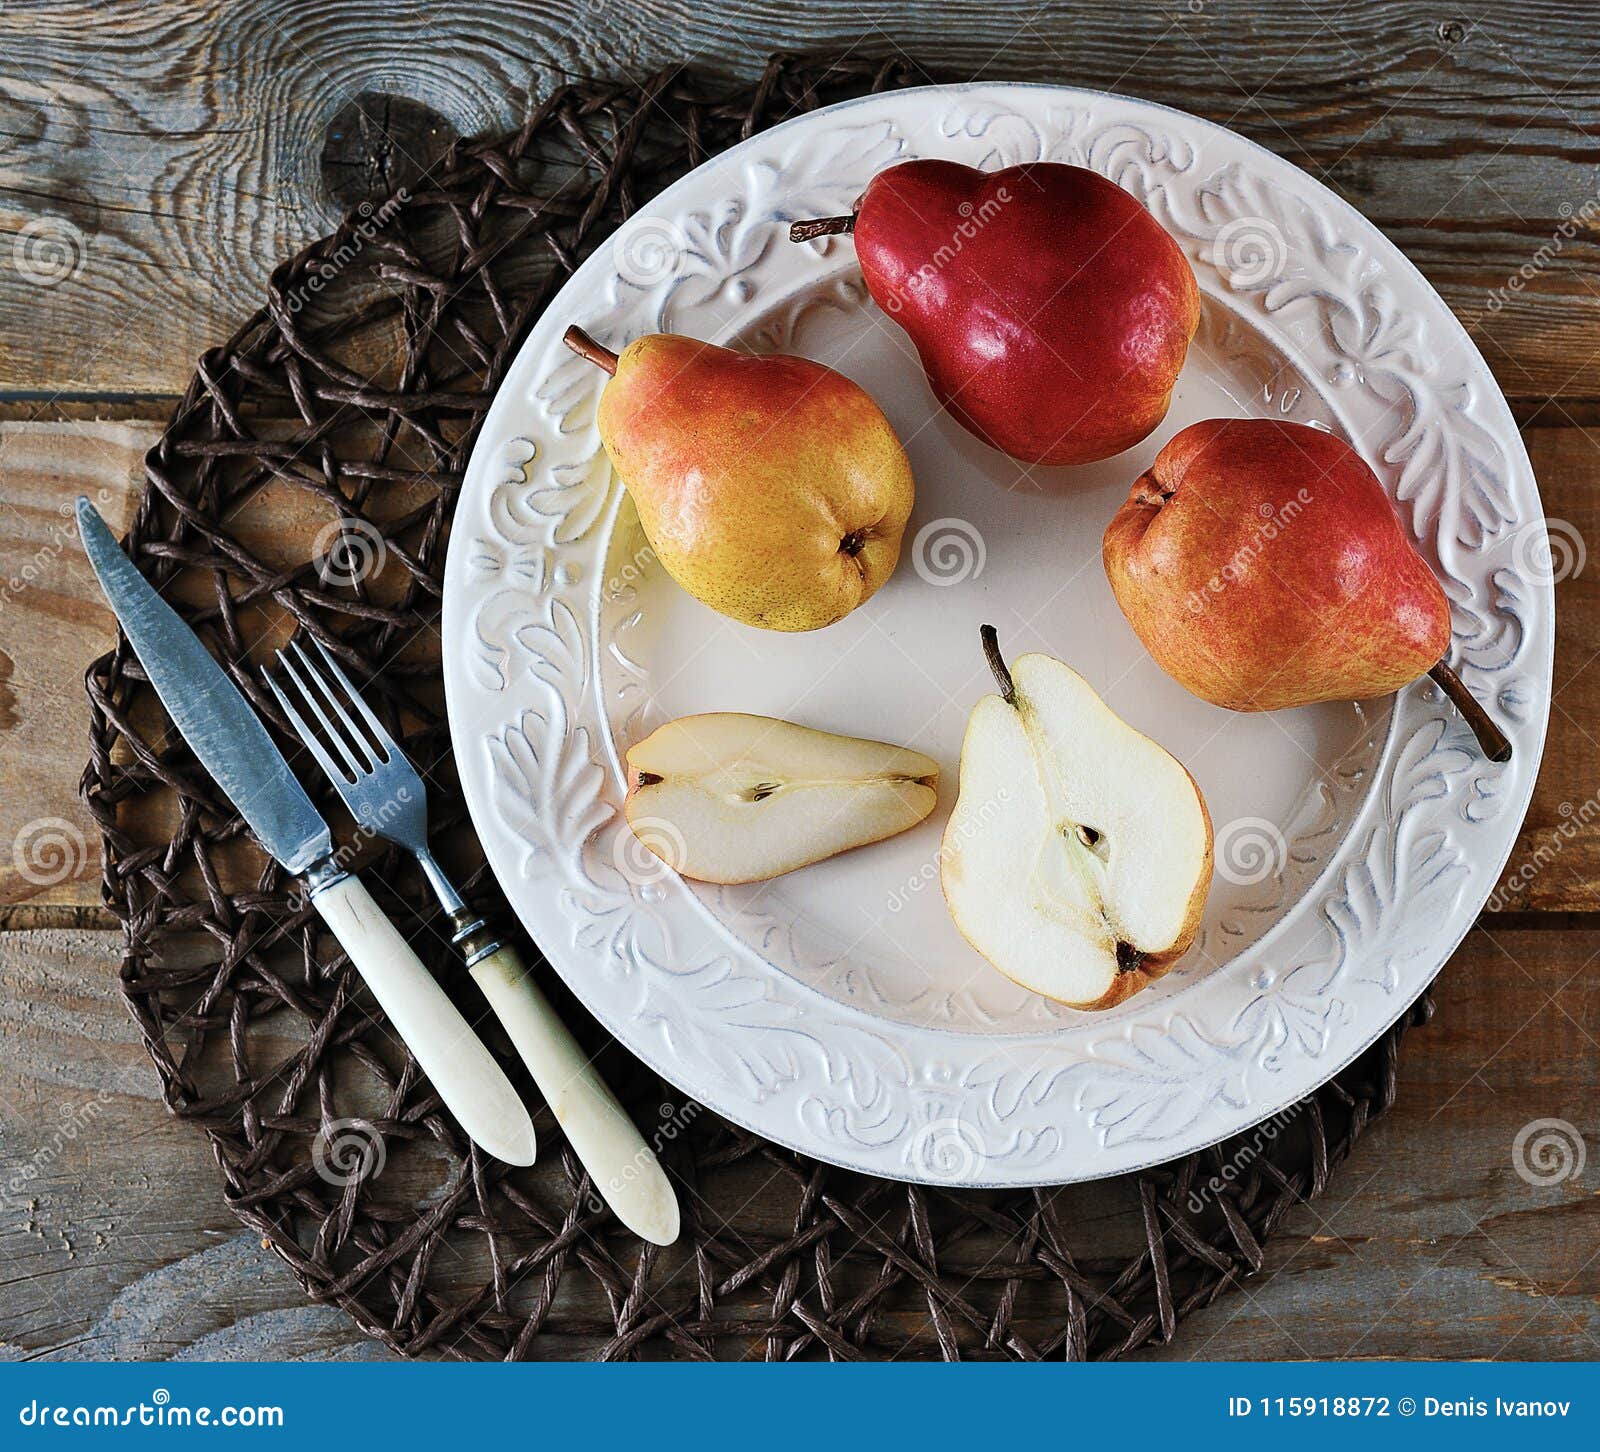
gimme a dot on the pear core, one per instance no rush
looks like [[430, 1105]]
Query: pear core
[[727, 797]]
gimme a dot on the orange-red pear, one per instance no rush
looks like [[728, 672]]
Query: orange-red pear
[[1263, 566]]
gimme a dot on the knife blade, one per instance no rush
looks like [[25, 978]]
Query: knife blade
[[207, 708], [227, 736]]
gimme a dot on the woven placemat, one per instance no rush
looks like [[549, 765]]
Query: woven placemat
[[307, 480]]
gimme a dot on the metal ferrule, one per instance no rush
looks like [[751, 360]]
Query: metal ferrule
[[473, 936], [320, 876]]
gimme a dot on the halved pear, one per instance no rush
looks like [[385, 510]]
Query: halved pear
[[727, 797], [1078, 857]]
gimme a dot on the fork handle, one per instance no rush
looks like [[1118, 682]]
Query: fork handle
[[625, 1169], [473, 1087]]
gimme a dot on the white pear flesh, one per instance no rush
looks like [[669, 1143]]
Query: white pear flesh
[[1078, 857], [728, 798]]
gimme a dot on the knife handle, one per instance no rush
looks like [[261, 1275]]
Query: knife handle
[[473, 1087], [625, 1169]]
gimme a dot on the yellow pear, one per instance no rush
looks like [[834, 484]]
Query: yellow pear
[[771, 488]]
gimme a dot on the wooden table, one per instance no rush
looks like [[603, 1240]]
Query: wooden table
[[179, 150]]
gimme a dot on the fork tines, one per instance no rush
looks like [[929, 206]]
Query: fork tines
[[359, 753]]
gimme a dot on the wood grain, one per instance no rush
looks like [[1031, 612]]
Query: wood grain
[[53, 622], [1555, 866], [157, 160]]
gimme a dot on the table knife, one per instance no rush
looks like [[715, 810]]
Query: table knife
[[232, 744]]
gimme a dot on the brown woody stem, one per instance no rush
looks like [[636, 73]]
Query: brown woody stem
[[997, 664], [821, 227], [586, 347], [1490, 737]]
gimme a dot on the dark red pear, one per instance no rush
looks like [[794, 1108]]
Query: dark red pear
[[1051, 311]]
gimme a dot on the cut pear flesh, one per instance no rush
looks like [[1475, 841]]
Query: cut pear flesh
[[1078, 857], [727, 797]]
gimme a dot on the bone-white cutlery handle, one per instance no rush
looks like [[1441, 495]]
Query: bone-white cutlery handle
[[625, 1169], [460, 1068]]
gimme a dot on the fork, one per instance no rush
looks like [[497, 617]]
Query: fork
[[386, 797]]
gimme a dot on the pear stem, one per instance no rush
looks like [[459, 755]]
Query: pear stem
[[586, 347], [997, 664], [821, 227], [1490, 737]]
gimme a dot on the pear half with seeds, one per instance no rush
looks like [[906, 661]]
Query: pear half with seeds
[[727, 797], [1078, 857]]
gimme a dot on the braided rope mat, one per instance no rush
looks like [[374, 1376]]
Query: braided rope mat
[[349, 404]]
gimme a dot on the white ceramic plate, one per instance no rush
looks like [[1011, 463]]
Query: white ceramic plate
[[836, 1010]]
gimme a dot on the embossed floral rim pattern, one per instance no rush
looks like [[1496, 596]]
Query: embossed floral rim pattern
[[524, 635]]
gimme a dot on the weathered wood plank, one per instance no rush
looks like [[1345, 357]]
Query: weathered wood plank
[[1555, 866], [1430, 1243], [157, 160], [53, 622]]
